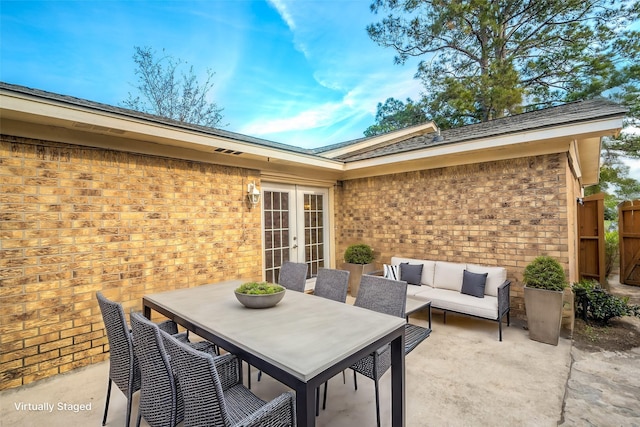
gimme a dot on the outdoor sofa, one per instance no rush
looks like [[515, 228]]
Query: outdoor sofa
[[470, 289]]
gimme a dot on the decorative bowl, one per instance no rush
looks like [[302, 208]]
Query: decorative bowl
[[259, 300]]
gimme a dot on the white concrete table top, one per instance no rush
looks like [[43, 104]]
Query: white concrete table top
[[303, 335]]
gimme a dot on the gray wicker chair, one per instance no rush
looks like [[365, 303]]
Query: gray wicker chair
[[293, 275], [124, 369], [160, 397], [333, 285], [161, 403], [214, 396], [384, 296]]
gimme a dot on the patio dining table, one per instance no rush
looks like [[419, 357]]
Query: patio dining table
[[301, 342]]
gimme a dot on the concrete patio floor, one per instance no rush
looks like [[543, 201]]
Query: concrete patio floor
[[460, 376]]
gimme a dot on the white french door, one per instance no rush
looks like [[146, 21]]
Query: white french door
[[296, 227]]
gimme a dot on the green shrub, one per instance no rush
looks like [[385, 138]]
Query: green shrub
[[601, 305], [611, 250], [544, 272], [259, 288], [358, 254]]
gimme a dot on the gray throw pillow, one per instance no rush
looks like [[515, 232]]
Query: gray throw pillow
[[473, 284], [411, 273]]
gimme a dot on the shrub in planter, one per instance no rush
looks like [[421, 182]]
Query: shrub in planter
[[544, 272], [358, 254], [358, 261], [544, 281]]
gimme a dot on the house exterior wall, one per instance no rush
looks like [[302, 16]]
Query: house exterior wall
[[502, 213], [78, 220]]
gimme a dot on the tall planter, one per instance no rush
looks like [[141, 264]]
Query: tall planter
[[358, 260], [544, 314], [544, 281], [355, 274]]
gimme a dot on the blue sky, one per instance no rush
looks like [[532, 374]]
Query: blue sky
[[301, 72]]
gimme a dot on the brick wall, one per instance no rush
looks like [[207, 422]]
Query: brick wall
[[78, 220], [501, 213]]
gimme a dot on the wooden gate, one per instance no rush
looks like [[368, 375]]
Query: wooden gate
[[591, 257], [629, 226]]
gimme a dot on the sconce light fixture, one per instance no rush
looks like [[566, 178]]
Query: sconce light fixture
[[253, 194]]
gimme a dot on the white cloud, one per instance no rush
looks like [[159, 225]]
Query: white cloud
[[283, 10]]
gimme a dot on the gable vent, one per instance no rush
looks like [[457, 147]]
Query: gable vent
[[225, 151]]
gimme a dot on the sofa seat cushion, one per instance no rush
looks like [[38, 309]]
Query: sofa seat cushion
[[412, 290], [496, 276], [445, 299]]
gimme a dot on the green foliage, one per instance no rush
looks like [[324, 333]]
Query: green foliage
[[259, 288], [359, 254], [601, 305], [395, 114], [545, 272], [165, 93], [483, 59], [611, 250]]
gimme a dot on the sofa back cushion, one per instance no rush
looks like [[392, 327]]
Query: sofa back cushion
[[448, 275], [427, 269], [495, 277]]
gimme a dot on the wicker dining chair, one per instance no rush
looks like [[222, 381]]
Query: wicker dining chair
[[161, 403], [160, 397], [293, 275], [330, 284], [384, 296], [215, 397], [124, 369]]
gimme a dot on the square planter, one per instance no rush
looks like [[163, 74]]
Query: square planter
[[355, 274], [544, 314]]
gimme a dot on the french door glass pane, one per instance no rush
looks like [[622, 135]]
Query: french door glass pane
[[314, 227], [276, 233]]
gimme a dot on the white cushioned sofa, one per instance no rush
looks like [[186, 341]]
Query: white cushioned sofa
[[442, 283]]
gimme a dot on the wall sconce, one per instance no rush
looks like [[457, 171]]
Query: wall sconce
[[253, 194]]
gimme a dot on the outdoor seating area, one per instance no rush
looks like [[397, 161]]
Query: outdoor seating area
[[460, 376]]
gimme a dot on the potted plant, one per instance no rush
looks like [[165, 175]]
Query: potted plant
[[259, 294], [544, 282], [358, 260]]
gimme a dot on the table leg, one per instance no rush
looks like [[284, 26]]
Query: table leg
[[397, 382], [305, 406], [429, 316], [147, 312]]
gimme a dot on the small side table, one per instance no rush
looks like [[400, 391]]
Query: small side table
[[414, 305]]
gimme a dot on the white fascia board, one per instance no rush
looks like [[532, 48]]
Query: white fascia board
[[74, 117], [602, 127], [389, 138]]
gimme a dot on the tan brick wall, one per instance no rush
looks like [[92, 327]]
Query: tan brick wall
[[78, 220], [501, 213]]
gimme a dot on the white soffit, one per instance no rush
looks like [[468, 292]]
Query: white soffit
[[85, 120]]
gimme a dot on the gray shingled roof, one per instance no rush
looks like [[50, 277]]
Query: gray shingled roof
[[561, 115], [565, 114], [70, 100]]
